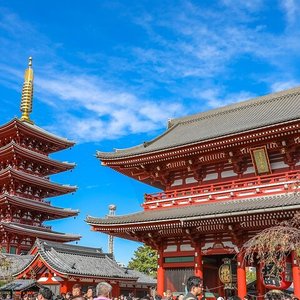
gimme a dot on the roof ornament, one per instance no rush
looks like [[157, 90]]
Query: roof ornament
[[27, 94]]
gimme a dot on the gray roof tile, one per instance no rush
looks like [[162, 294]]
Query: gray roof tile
[[78, 260], [244, 116], [202, 211], [21, 285]]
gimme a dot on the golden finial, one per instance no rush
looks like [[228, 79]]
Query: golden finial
[[27, 93]]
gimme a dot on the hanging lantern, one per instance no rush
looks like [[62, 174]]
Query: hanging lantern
[[277, 278]]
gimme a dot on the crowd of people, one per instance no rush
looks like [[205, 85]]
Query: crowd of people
[[194, 286]]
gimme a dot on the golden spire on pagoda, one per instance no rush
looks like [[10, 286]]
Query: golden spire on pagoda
[[27, 94]]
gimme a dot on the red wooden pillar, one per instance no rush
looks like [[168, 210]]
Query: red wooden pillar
[[296, 275], [198, 261], [63, 287], [115, 290], [160, 274], [259, 282], [241, 276]]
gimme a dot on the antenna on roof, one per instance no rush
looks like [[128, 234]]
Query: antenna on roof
[[111, 212], [27, 94]]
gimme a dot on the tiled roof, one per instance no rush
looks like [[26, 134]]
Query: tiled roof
[[203, 211], [37, 205], [40, 232], [37, 130], [21, 285], [13, 147], [142, 278], [40, 181], [18, 262], [79, 260], [263, 111]]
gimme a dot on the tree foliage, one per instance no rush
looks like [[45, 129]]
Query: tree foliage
[[5, 269], [144, 260]]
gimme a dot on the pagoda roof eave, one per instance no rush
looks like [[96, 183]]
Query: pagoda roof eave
[[276, 108], [37, 180], [39, 206], [36, 232], [38, 156], [63, 143], [202, 211]]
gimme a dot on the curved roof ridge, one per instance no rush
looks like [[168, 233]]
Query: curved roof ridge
[[141, 146], [54, 259], [38, 203], [41, 180], [37, 128], [200, 210], [71, 248], [260, 100], [37, 154]]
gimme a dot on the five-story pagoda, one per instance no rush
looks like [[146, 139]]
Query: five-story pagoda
[[25, 167]]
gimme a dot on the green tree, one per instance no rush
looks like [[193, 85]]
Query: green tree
[[144, 260], [5, 269]]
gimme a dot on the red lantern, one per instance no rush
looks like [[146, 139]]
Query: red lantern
[[280, 278]]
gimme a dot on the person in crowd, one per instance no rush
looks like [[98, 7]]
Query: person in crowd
[[130, 296], [76, 290], [44, 294], [180, 297], [194, 287], [103, 291], [68, 295], [89, 293], [168, 295]]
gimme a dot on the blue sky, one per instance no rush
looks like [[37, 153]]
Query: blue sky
[[109, 74]]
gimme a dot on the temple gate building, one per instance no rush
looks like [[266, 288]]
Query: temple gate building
[[25, 187], [224, 175]]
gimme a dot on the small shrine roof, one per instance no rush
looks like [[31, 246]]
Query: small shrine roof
[[276, 108], [79, 260], [37, 205], [201, 211], [39, 232], [21, 285], [142, 278]]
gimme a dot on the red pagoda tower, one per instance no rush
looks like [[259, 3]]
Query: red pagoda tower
[[25, 167], [225, 175]]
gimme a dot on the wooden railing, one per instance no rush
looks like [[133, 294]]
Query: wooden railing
[[241, 188]]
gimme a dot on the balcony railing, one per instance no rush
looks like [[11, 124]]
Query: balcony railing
[[241, 188]]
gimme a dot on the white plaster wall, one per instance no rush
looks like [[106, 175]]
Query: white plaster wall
[[211, 177], [186, 247]]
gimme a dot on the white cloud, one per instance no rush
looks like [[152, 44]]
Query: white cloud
[[217, 97], [94, 111], [284, 85], [291, 9], [189, 50]]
